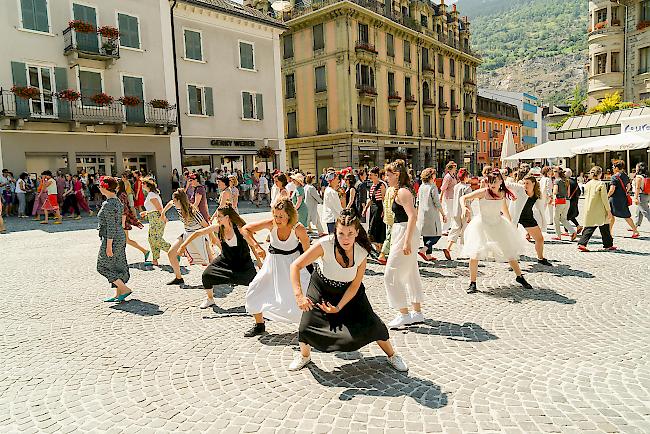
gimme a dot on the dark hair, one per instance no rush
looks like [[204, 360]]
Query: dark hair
[[110, 181], [349, 218], [493, 176], [537, 193], [228, 211], [375, 170], [641, 169], [23, 175], [562, 175], [44, 173], [282, 178], [400, 167], [351, 179], [309, 179], [223, 179], [121, 188], [186, 208], [619, 164]]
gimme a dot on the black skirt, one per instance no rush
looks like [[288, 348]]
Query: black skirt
[[376, 225], [355, 326], [222, 272]]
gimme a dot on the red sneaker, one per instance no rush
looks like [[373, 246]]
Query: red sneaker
[[582, 248], [612, 248], [636, 235], [382, 261], [423, 256], [557, 238]]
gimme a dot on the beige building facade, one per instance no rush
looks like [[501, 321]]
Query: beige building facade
[[364, 83], [45, 130], [619, 50]]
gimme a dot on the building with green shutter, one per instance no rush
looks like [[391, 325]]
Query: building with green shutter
[[80, 98], [230, 93]]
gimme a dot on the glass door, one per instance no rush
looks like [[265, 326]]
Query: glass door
[[86, 41], [41, 78]]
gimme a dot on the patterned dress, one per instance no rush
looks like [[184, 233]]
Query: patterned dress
[[131, 219], [109, 224]]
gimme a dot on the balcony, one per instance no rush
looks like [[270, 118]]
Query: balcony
[[428, 70], [469, 110], [443, 109], [529, 140], [455, 110], [410, 102], [51, 108], [495, 153], [367, 91], [530, 124], [365, 50], [605, 82], [468, 82], [90, 45], [394, 99], [428, 104]]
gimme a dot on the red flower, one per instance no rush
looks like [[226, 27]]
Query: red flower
[[81, 26]]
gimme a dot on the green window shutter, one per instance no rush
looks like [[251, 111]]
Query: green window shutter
[[40, 16], [61, 78], [194, 102], [90, 83], [246, 55], [259, 105], [193, 45], [19, 72], [129, 36], [247, 105], [209, 104], [27, 10]]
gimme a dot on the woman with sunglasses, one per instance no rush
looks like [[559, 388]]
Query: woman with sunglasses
[[269, 294]]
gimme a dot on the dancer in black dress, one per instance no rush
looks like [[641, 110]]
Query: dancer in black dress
[[376, 225], [234, 265], [337, 315]]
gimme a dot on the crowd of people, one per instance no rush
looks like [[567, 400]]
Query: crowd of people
[[312, 275]]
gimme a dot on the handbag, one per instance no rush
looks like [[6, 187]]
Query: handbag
[[629, 198], [560, 201]]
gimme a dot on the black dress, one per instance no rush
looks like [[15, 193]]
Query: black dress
[[233, 266], [353, 207], [574, 197], [618, 201], [356, 325], [526, 219], [376, 225]]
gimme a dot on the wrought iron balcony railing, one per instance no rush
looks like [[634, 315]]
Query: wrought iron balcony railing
[[90, 45]]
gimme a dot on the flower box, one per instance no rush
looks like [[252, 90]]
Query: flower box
[[159, 103], [600, 25], [130, 101], [81, 26], [109, 32], [69, 95], [642, 25], [102, 99], [26, 92]]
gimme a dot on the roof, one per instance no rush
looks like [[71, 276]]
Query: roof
[[232, 8], [602, 120]]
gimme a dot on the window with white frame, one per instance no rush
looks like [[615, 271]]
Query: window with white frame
[[246, 56], [34, 15], [193, 45], [129, 27], [196, 99], [42, 77], [252, 106]]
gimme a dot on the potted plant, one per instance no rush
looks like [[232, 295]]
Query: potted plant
[[159, 103], [109, 46], [130, 101], [102, 99], [266, 152], [69, 95], [26, 92], [81, 26], [109, 32], [601, 25]]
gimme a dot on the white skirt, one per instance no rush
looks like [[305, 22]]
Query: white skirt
[[197, 249], [497, 240], [402, 276], [271, 293]]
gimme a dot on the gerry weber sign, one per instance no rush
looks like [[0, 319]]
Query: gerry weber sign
[[640, 124]]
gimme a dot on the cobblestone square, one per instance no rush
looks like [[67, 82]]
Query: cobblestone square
[[571, 355]]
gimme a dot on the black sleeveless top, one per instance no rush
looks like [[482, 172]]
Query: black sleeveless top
[[239, 256], [400, 214]]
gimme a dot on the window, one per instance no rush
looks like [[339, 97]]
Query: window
[[391, 83], [426, 93], [129, 27], [441, 64], [407, 51], [193, 45], [321, 117], [366, 118], [424, 21], [453, 128], [409, 123], [407, 87], [490, 130], [427, 125], [452, 68], [390, 45], [392, 119], [614, 14], [292, 128], [601, 63], [287, 42], [295, 161], [90, 83], [290, 86], [645, 10], [246, 56], [252, 106], [41, 77], [319, 38], [34, 15], [321, 82], [441, 96], [601, 15], [615, 65], [196, 98], [365, 75], [644, 60], [453, 98], [441, 126], [483, 126], [363, 33], [425, 57], [484, 145]]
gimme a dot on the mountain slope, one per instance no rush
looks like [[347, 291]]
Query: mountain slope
[[527, 43]]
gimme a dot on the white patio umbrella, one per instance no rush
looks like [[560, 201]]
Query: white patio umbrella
[[615, 142], [508, 149]]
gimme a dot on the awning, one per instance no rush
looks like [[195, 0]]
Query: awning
[[221, 151], [615, 142], [552, 149]]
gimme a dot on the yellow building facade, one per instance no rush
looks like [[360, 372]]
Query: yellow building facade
[[364, 83]]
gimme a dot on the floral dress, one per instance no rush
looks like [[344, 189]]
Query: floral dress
[[131, 219]]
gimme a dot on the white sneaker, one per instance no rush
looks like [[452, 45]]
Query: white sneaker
[[207, 303], [397, 363], [417, 317], [299, 362], [400, 320]]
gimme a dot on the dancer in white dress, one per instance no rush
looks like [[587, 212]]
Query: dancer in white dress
[[402, 276], [491, 235], [270, 293], [458, 223]]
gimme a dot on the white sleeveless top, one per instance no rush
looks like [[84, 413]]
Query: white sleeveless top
[[330, 268], [288, 244], [148, 205], [51, 188]]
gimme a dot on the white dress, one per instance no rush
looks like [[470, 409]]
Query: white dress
[[270, 292], [489, 235]]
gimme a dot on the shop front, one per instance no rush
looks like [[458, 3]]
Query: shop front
[[228, 155]]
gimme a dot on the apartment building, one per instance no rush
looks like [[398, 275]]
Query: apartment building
[[230, 97], [494, 118], [529, 112], [365, 82], [63, 70], [619, 50]]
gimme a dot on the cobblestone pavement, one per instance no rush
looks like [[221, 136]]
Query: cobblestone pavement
[[569, 356]]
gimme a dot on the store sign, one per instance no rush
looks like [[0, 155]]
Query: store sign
[[401, 143], [371, 141], [639, 124], [225, 143]]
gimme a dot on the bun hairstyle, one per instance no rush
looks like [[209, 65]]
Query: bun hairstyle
[[427, 174], [285, 204], [228, 211], [151, 184], [492, 177], [108, 183], [349, 218], [596, 172], [463, 174]]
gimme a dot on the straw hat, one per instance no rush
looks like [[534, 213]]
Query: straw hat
[[298, 177]]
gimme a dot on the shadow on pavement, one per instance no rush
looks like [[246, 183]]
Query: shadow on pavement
[[138, 307], [517, 295], [226, 313], [279, 340], [466, 332], [373, 376], [559, 270]]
